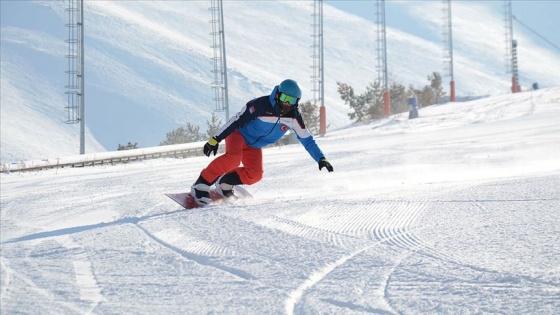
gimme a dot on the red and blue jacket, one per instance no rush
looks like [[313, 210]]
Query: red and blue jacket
[[261, 124]]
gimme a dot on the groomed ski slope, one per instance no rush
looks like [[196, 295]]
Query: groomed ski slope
[[456, 212]]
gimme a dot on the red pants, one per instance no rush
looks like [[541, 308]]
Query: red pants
[[237, 152]]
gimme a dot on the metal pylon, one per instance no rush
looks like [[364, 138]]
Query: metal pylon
[[318, 77], [448, 47], [382, 71], [511, 47], [76, 84], [218, 46]]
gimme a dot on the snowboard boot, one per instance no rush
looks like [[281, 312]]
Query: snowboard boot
[[224, 185], [200, 190]]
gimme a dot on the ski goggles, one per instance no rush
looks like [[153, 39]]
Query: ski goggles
[[287, 98]]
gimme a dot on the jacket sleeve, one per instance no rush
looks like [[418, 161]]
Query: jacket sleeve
[[244, 116]]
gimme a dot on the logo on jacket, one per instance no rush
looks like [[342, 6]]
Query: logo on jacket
[[252, 109], [283, 127]]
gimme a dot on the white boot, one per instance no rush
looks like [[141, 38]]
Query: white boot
[[201, 194], [225, 190]]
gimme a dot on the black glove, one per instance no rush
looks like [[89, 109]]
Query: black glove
[[324, 163], [211, 146]]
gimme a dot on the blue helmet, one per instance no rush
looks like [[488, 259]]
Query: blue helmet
[[290, 87]]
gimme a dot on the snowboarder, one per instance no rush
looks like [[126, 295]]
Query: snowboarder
[[262, 121]]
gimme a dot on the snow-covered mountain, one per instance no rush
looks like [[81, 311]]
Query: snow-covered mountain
[[148, 66]]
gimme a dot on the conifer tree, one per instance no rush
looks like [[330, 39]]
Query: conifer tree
[[435, 84], [129, 146], [184, 134], [213, 125], [357, 103], [309, 112]]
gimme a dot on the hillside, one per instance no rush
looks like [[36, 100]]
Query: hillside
[[148, 66]]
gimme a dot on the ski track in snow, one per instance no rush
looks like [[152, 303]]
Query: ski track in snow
[[197, 250], [375, 220], [85, 279]]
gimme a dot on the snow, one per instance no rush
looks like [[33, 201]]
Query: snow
[[148, 64], [455, 212]]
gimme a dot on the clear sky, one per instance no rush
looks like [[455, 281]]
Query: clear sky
[[540, 16]]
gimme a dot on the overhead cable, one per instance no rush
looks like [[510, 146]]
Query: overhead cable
[[539, 35]]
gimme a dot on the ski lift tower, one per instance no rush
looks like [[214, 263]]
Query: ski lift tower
[[448, 47], [318, 78], [76, 100], [382, 56], [219, 84], [511, 47]]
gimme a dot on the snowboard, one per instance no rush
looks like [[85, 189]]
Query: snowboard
[[186, 200]]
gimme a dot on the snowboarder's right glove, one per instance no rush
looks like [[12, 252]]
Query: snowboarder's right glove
[[324, 163], [211, 146]]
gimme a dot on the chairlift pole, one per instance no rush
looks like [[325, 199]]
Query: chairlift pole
[[382, 57], [82, 82]]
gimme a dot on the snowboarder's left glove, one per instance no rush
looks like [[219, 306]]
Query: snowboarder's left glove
[[324, 163], [211, 146]]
